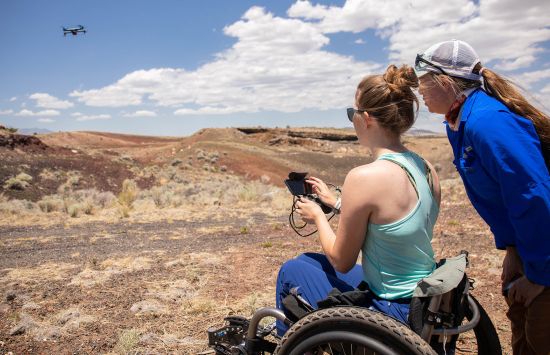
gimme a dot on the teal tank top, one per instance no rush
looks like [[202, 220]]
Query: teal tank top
[[397, 255]]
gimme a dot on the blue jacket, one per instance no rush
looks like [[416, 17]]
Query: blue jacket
[[498, 155]]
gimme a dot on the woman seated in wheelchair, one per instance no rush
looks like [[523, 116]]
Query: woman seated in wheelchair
[[388, 209]]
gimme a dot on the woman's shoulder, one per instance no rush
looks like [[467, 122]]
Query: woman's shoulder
[[373, 173], [484, 108]]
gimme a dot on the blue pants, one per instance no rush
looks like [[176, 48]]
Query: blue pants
[[315, 277]]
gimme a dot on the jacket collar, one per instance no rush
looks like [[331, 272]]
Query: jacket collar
[[469, 104]]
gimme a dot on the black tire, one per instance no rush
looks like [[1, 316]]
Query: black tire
[[486, 337], [352, 326], [486, 334]]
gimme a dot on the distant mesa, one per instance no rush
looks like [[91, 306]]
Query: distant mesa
[[33, 130]]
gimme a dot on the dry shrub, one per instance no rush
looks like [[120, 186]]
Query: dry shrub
[[129, 193], [76, 203], [48, 174], [19, 182], [169, 195], [17, 207], [73, 180], [74, 210], [127, 341], [127, 197], [51, 203]]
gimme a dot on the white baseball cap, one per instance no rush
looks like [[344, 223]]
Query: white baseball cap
[[454, 58]]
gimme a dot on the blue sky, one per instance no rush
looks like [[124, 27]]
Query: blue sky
[[173, 67]]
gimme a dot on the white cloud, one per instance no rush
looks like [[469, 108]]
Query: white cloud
[[281, 64], [6, 112], [141, 113], [543, 99], [277, 64], [360, 41], [82, 117], [526, 79], [494, 28], [45, 120], [43, 113], [13, 98], [48, 101]]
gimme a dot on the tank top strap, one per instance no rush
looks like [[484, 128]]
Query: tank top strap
[[416, 168]]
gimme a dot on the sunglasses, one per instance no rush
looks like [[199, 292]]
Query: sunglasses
[[351, 113], [421, 64]]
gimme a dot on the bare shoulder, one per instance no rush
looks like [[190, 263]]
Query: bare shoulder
[[366, 180]]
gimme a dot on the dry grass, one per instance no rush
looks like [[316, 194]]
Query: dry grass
[[127, 341], [220, 197], [47, 271], [95, 273]]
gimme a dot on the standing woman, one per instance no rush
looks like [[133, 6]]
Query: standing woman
[[501, 146]]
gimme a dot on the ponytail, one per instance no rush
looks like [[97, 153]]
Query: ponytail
[[506, 92]]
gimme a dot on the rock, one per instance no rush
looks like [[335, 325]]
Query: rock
[[68, 315], [265, 179], [25, 324], [147, 307], [176, 162], [47, 333], [223, 168], [10, 295], [30, 306]]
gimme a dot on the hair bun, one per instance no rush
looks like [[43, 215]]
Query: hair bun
[[400, 78]]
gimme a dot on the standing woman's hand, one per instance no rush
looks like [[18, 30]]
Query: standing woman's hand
[[321, 189], [512, 266], [524, 291]]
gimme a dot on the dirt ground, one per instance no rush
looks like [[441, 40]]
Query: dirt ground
[[153, 282], [84, 289]]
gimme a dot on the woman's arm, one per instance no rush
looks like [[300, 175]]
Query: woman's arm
[[510, 152], [342, 248]]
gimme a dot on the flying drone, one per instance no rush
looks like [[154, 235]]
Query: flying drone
[[74, 30]]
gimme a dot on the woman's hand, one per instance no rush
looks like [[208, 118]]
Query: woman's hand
[[524, 291], [321, 189], [308, 210]]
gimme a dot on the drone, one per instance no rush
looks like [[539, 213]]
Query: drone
[[73, 30]]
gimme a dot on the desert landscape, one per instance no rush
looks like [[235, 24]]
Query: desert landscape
[[124, 244]]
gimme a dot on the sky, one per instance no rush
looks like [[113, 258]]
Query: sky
[[170, 67]]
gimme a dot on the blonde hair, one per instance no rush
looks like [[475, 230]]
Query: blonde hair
[[389, 98], [508, 93]]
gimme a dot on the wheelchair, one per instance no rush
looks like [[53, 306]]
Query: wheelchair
[[442, 309]]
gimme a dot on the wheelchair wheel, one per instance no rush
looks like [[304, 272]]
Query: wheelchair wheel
[[482, 340], [350, 330], [485, 333]]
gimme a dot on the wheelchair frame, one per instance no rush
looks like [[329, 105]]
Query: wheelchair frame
[[244, 336]]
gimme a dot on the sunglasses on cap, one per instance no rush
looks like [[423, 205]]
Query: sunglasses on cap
[[352, 111], [421, 64]]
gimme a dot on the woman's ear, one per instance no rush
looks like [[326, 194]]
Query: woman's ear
[[368, 119]]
